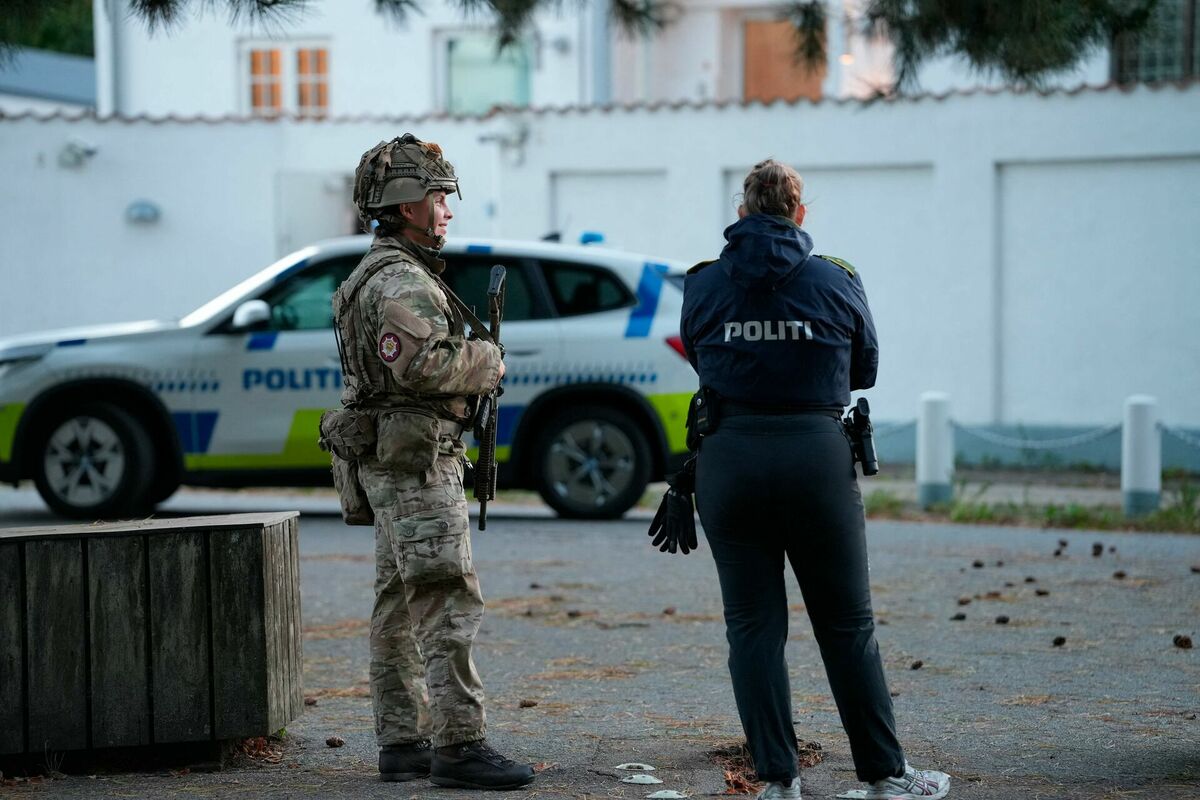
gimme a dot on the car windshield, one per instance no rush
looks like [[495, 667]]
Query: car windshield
[[230, 296]]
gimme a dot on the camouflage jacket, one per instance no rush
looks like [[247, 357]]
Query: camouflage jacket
[[409, 340]]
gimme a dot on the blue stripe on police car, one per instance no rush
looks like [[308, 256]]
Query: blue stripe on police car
[[648, 291]]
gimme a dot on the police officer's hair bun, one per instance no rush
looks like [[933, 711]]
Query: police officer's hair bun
[[773, 188]]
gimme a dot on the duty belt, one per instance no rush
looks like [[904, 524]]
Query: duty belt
[[732, 409]]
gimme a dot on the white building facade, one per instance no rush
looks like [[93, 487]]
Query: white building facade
[[336, 59], [343, 59]]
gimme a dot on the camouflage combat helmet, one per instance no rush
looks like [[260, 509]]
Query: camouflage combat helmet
[[403, 170]]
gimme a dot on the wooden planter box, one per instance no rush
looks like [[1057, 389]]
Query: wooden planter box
[[143, 633]]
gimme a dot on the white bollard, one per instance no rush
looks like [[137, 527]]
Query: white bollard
[[1141, 456], [935, 450]]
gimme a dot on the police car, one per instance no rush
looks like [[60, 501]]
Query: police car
[[109, 421]]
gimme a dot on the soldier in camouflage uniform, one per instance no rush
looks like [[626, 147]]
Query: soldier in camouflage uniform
[[411, 373]]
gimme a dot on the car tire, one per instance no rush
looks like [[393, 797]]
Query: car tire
[[591, 462], [94, 461], [166, 479], [164, 484]]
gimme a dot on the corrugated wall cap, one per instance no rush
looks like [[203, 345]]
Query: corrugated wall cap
[[655, 106]]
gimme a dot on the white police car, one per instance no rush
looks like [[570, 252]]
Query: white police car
[[109, 421]]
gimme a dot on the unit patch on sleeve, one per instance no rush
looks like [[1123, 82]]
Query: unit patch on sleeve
[[389, 347]]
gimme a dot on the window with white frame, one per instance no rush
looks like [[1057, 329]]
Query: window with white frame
[[475, 76], [286, 78], [266, 88], [312, 81]]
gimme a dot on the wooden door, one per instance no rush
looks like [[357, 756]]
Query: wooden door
[[770, 69]]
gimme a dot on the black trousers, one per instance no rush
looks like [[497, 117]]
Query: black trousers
[[774, 486]]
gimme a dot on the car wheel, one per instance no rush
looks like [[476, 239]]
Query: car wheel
[[164, 484], [94, 462], [592, 462]]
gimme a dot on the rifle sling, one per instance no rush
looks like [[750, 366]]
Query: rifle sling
[[481, 330]]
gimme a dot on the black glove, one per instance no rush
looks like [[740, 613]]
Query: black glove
[[674, 526]]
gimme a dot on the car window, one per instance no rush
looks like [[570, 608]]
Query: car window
[[583, 289], [468, 276], [304, 302]]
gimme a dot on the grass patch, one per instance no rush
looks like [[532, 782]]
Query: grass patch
[[1180, 512], [975, 511], [885, 504]]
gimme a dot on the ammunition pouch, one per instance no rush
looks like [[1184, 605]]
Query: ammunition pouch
[[356, 509], [407, 439], [702, 417], [433, 546], [349, 434]]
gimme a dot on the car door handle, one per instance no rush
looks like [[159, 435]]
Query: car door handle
[[532, 352]]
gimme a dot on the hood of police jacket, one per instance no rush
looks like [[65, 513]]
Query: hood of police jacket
[[764, 251]]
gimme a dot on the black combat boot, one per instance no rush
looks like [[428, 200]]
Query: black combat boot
[[475, 765], [405, 762]]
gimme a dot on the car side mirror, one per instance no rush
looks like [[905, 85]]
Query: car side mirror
[[251, 313]]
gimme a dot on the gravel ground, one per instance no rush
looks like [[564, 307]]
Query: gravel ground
[[578, 623]]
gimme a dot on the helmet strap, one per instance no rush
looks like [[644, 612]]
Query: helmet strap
[[430, 231], [438, 242]]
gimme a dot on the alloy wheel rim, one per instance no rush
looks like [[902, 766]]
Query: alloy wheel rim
[[84, 461], [591, 462]]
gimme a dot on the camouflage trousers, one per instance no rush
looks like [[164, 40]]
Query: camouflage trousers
[[428, 606]]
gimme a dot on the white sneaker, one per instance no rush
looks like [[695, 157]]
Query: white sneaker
[[779, 791], [913, 784]]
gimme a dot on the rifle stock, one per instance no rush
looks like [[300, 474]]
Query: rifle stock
[[485, 468]]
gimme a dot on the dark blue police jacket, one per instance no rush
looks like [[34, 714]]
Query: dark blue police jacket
[[769, 323]]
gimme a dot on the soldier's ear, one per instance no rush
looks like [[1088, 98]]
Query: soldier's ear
[[800, 212], [741, 212]]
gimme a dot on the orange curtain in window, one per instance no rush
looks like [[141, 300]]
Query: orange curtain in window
[[266, 91], [312, 81]]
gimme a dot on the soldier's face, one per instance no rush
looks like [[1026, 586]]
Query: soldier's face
[[418, 213], [441, 213]]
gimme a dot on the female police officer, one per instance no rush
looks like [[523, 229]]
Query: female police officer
[[781, 337]]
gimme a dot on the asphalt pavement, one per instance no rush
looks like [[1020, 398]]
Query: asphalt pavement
[[597, 650]]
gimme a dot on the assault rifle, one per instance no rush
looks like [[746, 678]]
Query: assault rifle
[[485, 421]]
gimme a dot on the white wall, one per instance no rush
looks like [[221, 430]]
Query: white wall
[[1108, 296], [1036, 256], [69, 256]]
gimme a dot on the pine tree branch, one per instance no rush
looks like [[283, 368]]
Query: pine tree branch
[[810, 18], [398, 11], [19, 20], [1022, 41], [644, 17]]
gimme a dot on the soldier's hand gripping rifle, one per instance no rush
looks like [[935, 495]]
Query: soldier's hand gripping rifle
[[485, 421]]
